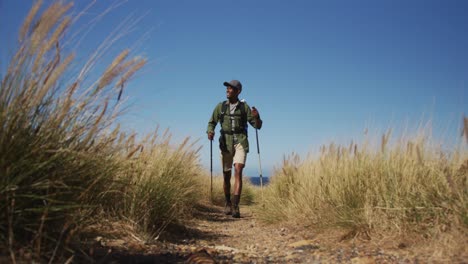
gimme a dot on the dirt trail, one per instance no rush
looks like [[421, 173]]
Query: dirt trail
[[212, 237]]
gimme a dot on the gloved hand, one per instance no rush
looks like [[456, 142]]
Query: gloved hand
[[210, 135]]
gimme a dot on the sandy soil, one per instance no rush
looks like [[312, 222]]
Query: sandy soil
[[212, 237]]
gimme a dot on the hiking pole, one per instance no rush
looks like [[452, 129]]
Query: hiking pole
[[211, 170], [259, 164]]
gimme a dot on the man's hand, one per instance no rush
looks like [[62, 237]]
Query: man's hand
[[255, 112], [210, 135]]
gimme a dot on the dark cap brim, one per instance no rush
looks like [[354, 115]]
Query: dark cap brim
[[229, 84]]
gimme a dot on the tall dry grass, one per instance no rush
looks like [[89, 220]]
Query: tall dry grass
[[64, 161], [164, 183], [408, 186]]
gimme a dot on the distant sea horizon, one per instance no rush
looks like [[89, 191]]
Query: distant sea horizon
[[256, 180]]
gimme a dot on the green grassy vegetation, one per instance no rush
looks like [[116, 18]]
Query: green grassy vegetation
[[64, 161], [407, 186]]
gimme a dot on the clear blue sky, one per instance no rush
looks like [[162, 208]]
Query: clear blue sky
[[318, 71]]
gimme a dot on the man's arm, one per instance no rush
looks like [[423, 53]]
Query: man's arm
[[212, 123], [253, 117]]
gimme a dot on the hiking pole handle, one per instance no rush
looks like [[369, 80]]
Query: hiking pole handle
[[211, 170], [258, 145], [258, 151], [259, 162]]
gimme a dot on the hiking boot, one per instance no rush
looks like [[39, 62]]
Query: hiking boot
[[228, 209], [236, 213]]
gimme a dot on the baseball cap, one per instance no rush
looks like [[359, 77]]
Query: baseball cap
[[235, 84]]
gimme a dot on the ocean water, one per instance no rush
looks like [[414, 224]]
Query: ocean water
[[256, 180]]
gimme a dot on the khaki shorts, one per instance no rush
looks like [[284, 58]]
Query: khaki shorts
[[228, 159]]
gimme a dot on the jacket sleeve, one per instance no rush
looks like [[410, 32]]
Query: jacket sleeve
[[214, 119], [255, 122]]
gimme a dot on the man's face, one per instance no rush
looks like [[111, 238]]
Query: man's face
[[232, 92]]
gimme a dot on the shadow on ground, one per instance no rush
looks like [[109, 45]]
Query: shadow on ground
[[132, 258], [172, 245], [182, 233]]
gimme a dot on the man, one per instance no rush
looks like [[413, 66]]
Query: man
[[233, 116]]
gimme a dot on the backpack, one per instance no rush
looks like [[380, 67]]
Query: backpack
[[243, 116]]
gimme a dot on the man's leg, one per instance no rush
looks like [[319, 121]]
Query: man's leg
[[239, 163], [227, 191], [238, 168], [226, 160], [237, 188]]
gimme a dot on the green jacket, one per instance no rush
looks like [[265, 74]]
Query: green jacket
[[227, 126]]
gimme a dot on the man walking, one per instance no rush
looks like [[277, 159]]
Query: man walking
[[233, 116]]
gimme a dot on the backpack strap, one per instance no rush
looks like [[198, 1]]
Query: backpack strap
[[243, 116], [224, 106]]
